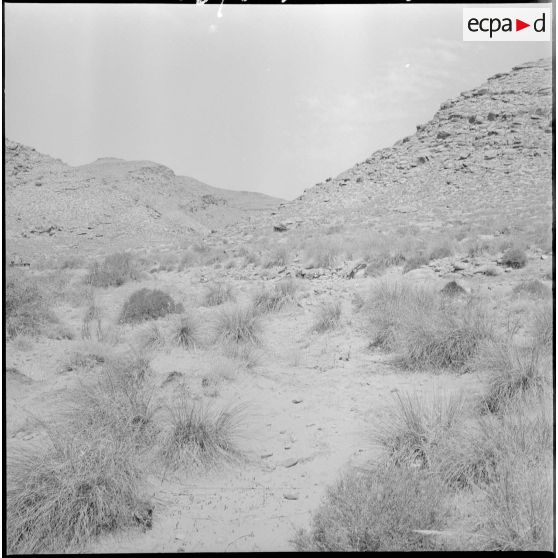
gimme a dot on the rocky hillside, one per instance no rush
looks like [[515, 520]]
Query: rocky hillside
[[110, 204], [484, 156]]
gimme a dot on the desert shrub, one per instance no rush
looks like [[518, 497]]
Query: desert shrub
[[452, 289], [279, 256], [199, 434], [71, 262], [271, 300], [425, 329], [27, 308], [514, 257], [186, 332], [151, 337], [377, 510], [115, 270], [533, 288], [218, 293], [322, 253], [62, 496], [237, 323], [414, 262], [415, 428], [514, 370], [328, 317], [543, 326], [148, 304]]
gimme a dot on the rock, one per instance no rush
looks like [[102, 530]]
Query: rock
[[442, 134], [290, 496], [266, 455], [296, 401], [291, 462], [459, 266], [280, 227]]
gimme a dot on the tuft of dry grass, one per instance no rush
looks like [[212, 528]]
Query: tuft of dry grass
[[238, 324], [543, 325], [272, 300], [115, 270], [514, 370], [328, 317], [186, 332], [62, 496], [218, 293], [27, 307], [378, 510], [426, 329], [199, 434]]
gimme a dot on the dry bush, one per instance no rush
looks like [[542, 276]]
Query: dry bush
[[328, 317], [415, 428], [426, 329], [186, 332], [378, 510], [513, 371], [61, 497], [323, 253], [148, 304], [218, 293], [279, 256], [416, 261], [246, 353], [200, 435], [115, 270], [272, 300], [515, 258], [533, 288], [543, 326], [27, 307], [237, 323]]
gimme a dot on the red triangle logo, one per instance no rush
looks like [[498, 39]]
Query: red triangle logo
[[519, 25]]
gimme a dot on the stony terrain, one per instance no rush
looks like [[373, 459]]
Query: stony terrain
[[446, 204], [109, 204]]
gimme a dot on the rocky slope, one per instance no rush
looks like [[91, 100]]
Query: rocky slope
[[109, 204], [484, 156]]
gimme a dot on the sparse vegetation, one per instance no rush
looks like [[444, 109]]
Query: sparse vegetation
[[148, 304], [218, 293], [379, 510], [272, 300], [414, 262], [199, 434], [186, 332], [533, 288], [515, 258], [115, 270], [238, 324], [322, 253], [27, 307], [328, 317]]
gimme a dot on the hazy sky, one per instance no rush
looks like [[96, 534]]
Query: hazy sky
[[264, 98]]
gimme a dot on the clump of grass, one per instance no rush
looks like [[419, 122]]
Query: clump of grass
[[514, 371], [246, 353], [63, 496], [280, 256], [71, 262], [186, 332], [272, 300], [92, 314], [199, 434], [543, 326], [414, 262], [27, 308], [440, 248], [322, 253], [533, 288], [115, 270], [328, 317], [424, 328], [218, 293], [415, 428], [377, 511], [238, 324], [151, 338], [515, 258], [148, 304]]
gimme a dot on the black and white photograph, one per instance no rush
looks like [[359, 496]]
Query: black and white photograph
[[278, 277]]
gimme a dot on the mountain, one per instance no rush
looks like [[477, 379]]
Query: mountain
[[485, 156], [110, 204]]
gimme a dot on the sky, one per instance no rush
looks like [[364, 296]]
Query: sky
[[272, 99]]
